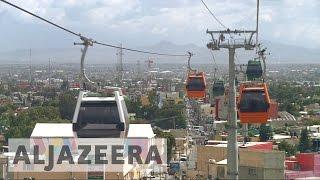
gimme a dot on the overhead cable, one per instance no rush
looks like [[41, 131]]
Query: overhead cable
[[84, 38], [213, 15]]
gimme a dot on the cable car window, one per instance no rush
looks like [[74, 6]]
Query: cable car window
[[195, 84], [218, 86], [103, 112], [253, 101], [254, 70]]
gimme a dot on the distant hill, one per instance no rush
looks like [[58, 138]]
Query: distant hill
[[280, 53]]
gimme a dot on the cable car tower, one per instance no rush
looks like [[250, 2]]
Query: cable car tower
[[219, 41]]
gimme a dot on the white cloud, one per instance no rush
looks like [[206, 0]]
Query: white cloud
[[42, 8], [159, 30], [111, 10], [288, 20], [267, 14]]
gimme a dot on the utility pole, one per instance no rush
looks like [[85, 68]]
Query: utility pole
[[219, 41], [30, 69], [139, 73], [257, 23], [49, 69], [149, 76], [120, 65]]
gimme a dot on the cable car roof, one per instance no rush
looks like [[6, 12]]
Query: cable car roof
[[254, 62], [196, 75], [254, 89], [98, 99]]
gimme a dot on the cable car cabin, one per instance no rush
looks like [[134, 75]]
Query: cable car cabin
[[100, 117], [253, 104], [196, 86], [254, 70], [218, 88]]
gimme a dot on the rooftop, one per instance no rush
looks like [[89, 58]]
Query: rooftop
[[140, 131], [52, 130], [248, 144], [223, 162]]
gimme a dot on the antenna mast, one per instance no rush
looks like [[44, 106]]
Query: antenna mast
[[120, 65], [257, 25], [30, 70], [49, 68], [139, 73]]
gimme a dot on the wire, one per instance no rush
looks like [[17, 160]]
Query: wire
[[213, 58], [231, 36], [216, 69], [213, 15], [47, 21], [82, 37], [139, 51]]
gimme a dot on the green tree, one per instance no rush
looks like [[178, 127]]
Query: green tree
[[7, 107], [67, 104], [170, 115], [166, 117], [20, 125], [292, 98], [288, 148], [265, 133], [54, 103], [134, 107], [48, 92], [312, 113], [152, 96], [65, 85], [304, 141], [170, 141]]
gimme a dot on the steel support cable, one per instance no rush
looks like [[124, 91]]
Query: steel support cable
[[213, 58], [140, 51], [215, 62], [87, 39], [41, 18], [213, 15]]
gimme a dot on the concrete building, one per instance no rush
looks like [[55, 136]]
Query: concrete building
[[261, 164], [257, 160], [143, 132], [303, 165], [170, 97]]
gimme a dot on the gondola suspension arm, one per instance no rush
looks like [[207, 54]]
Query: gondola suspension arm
[[262, 56], [190, 54], [84, 78]]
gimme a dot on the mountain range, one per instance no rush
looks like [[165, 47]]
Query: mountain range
[[279, 53]]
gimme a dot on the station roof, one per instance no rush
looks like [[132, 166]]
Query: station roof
[[140, 131], [52, 130]]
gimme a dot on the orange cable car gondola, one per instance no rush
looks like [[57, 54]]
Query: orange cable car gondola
[[196, 86], [196, 82], [253, 103]]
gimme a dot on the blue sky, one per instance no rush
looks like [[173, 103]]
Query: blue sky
[[144, 22]]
